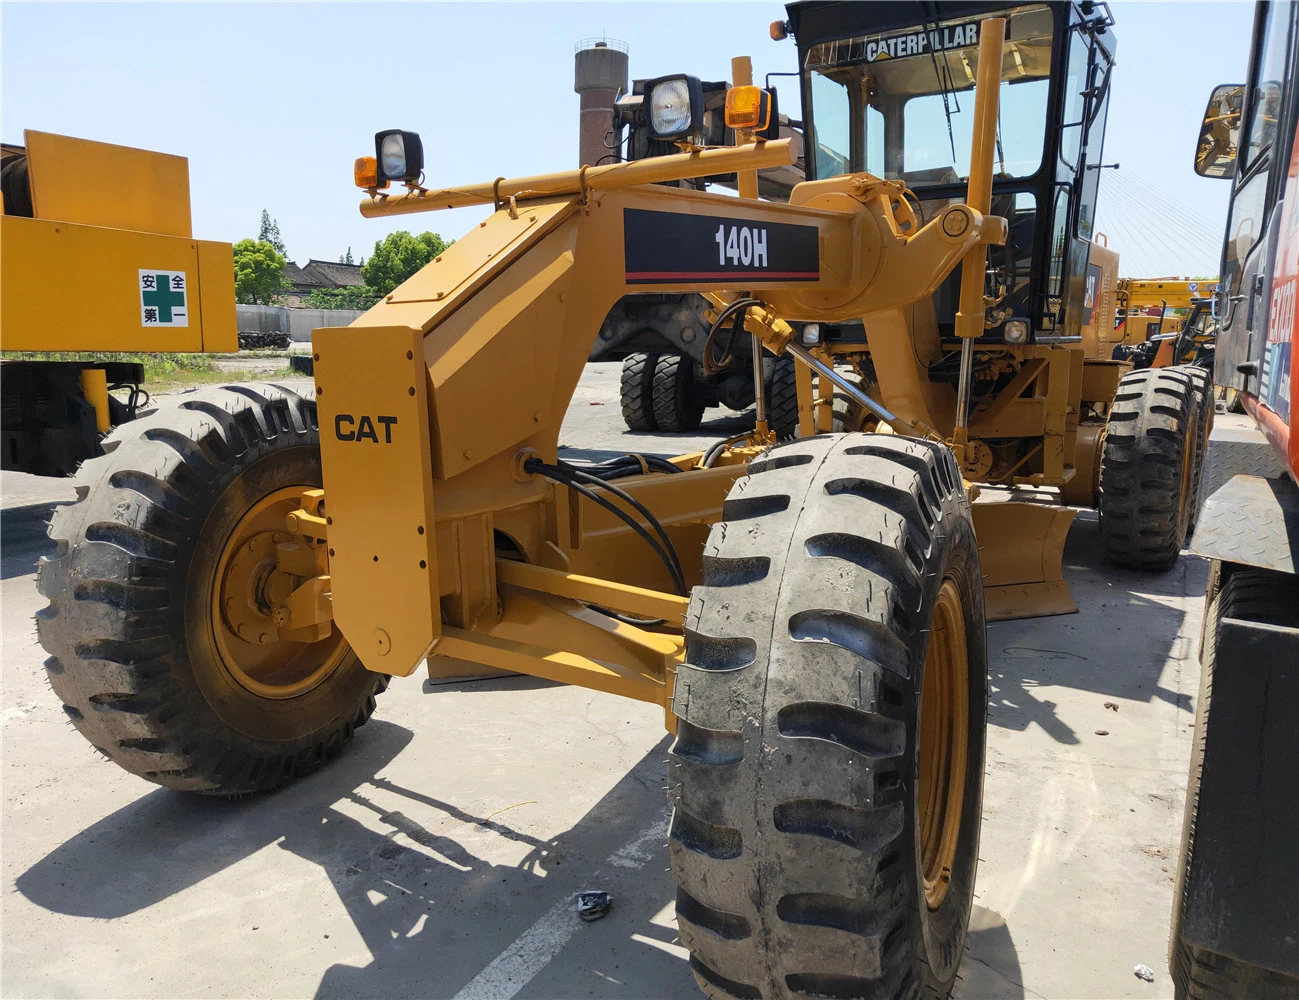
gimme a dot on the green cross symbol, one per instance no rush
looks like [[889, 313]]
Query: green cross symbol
[[163, 297]]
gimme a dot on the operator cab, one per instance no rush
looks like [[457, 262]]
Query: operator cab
[[888, 88]]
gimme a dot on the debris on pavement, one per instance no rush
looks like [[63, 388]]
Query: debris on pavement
[[1111, 706], [1102, 732], [593, 904], [1144, 972]]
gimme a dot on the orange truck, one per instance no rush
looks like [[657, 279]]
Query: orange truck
[[1236, 909]]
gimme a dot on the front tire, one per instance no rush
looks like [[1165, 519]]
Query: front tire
[[828, 769], [158, 663]]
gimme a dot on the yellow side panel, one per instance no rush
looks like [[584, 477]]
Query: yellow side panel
[[1098, 335], [372, 406], [99, 184], [216, 267], [65, 287], [502, 344]]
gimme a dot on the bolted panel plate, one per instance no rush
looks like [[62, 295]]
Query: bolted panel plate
[[372, 404]]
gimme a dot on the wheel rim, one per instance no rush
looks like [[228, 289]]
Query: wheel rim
[[943, 739], [246, 636], [1188, 470]]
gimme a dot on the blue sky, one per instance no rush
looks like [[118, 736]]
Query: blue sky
[[272, 102]]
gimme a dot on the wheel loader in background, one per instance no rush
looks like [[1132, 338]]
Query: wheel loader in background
[[245, 571]]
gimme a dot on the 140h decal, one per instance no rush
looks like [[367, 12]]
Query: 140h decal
[[674, 248]]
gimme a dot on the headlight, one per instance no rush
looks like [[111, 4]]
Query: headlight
[[811, 334], [1015, 331], [676, 106], [400, 155]]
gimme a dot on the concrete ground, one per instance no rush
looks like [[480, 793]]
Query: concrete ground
[[439, 856]]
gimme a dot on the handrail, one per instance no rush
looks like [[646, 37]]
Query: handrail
[[652, 170]]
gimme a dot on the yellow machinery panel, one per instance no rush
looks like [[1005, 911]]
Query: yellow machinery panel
[[71, 287], [376, 454], [1099, 303], [100, 184], [1010, 535]]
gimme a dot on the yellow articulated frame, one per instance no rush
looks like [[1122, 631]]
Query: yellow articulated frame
[[444, 542], [513, 306]]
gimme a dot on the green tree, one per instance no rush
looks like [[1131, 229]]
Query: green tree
[[353, 297], [399, 256], [346, 258], [269, 232], [259, 272]]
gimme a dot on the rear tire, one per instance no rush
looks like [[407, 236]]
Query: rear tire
[[849, 415], [782, 398], [145, 669], [636, 391], [1149, 473], [1259, 596], [677, 405], [804, 784]]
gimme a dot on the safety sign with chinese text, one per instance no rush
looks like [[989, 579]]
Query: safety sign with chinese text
[[163, 298]]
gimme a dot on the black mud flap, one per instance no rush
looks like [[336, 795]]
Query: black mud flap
[[1242, 878]]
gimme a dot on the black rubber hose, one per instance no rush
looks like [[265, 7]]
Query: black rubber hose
[[538, 467], [710, 456], [623, 466], [712, 364], [644, 512]]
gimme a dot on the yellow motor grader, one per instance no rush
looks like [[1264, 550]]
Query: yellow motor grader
[[245, 571]]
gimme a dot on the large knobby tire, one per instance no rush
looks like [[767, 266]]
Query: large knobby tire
[[1259, 596], [636, 391], [782, 398], [677, 405], [148, 670], [827, 775], [1148, 467]]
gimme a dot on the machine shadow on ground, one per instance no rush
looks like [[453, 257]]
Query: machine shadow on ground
[[431, 911], [25, 539], [1142, 632]]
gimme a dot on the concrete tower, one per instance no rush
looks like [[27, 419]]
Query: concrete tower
[[600, 72]]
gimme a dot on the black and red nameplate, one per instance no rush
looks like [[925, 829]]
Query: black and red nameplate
[[673, 248]]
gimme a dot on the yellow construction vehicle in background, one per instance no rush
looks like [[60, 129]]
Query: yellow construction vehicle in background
[[1165, 321], [245, 571], [96, 255]]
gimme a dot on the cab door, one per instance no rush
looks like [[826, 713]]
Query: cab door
[[1078, 168], [1253, 220]]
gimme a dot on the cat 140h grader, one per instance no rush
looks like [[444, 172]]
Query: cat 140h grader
[[244, 572]]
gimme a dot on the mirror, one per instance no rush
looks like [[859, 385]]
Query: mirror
[[1215, 153]]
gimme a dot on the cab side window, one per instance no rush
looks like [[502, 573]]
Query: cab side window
[[1266, 88]]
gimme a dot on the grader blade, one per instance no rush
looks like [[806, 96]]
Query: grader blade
[[1020, 549]]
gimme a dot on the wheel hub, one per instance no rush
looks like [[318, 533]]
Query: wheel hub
[[249, 589]]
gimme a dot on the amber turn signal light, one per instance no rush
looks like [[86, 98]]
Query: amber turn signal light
[[748, 109], [779, 30], [365, 172]]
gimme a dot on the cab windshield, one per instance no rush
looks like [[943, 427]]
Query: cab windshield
[[900, 103]]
